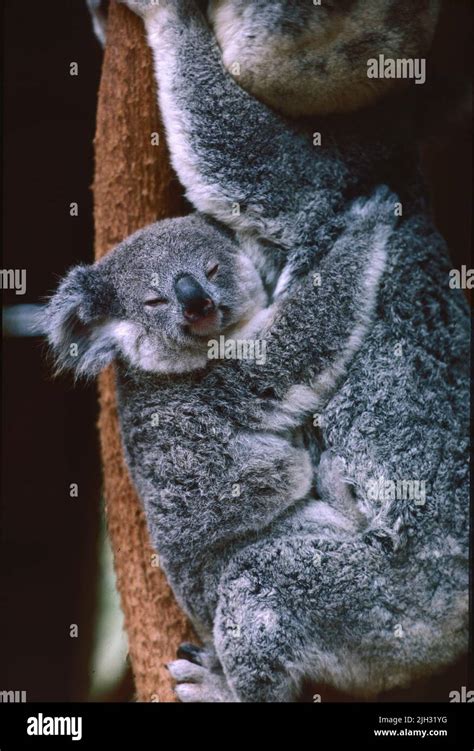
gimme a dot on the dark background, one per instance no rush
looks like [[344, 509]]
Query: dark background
[[49, 540], [49, 544]]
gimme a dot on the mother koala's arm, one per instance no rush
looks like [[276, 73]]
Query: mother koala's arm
[[319, 320]]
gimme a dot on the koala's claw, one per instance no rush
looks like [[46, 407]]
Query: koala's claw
[[198, 684], [187, 651]]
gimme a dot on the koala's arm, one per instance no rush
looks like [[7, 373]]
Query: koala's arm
[[318, 322], [238, 161]]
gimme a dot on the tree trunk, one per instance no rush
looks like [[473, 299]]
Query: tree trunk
[[133, 186]]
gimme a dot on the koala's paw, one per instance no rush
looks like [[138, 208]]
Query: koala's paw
[[198, 678]]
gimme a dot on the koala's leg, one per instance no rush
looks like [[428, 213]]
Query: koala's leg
[[265, 476], [238, 161], [339, 613]]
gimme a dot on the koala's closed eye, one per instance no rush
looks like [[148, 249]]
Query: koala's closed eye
[[154, 302], [212, 270]]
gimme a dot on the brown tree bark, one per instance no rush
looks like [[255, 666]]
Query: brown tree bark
[[133, 186]]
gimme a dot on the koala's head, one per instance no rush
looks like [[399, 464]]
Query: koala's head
[[310, 58], [155, 300]]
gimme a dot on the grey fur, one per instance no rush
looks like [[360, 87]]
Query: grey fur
[[305, 58], [357, 592]]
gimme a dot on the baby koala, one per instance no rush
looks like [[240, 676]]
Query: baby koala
[[213, 447], [157, 300]]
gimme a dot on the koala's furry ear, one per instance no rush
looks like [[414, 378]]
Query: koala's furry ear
[[77, 322]]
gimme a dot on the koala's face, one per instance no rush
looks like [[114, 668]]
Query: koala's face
[[156, 300]]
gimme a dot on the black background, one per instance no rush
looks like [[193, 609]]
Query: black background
[[49, 540]]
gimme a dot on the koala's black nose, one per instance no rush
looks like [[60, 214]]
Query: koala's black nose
[[194, 300]]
